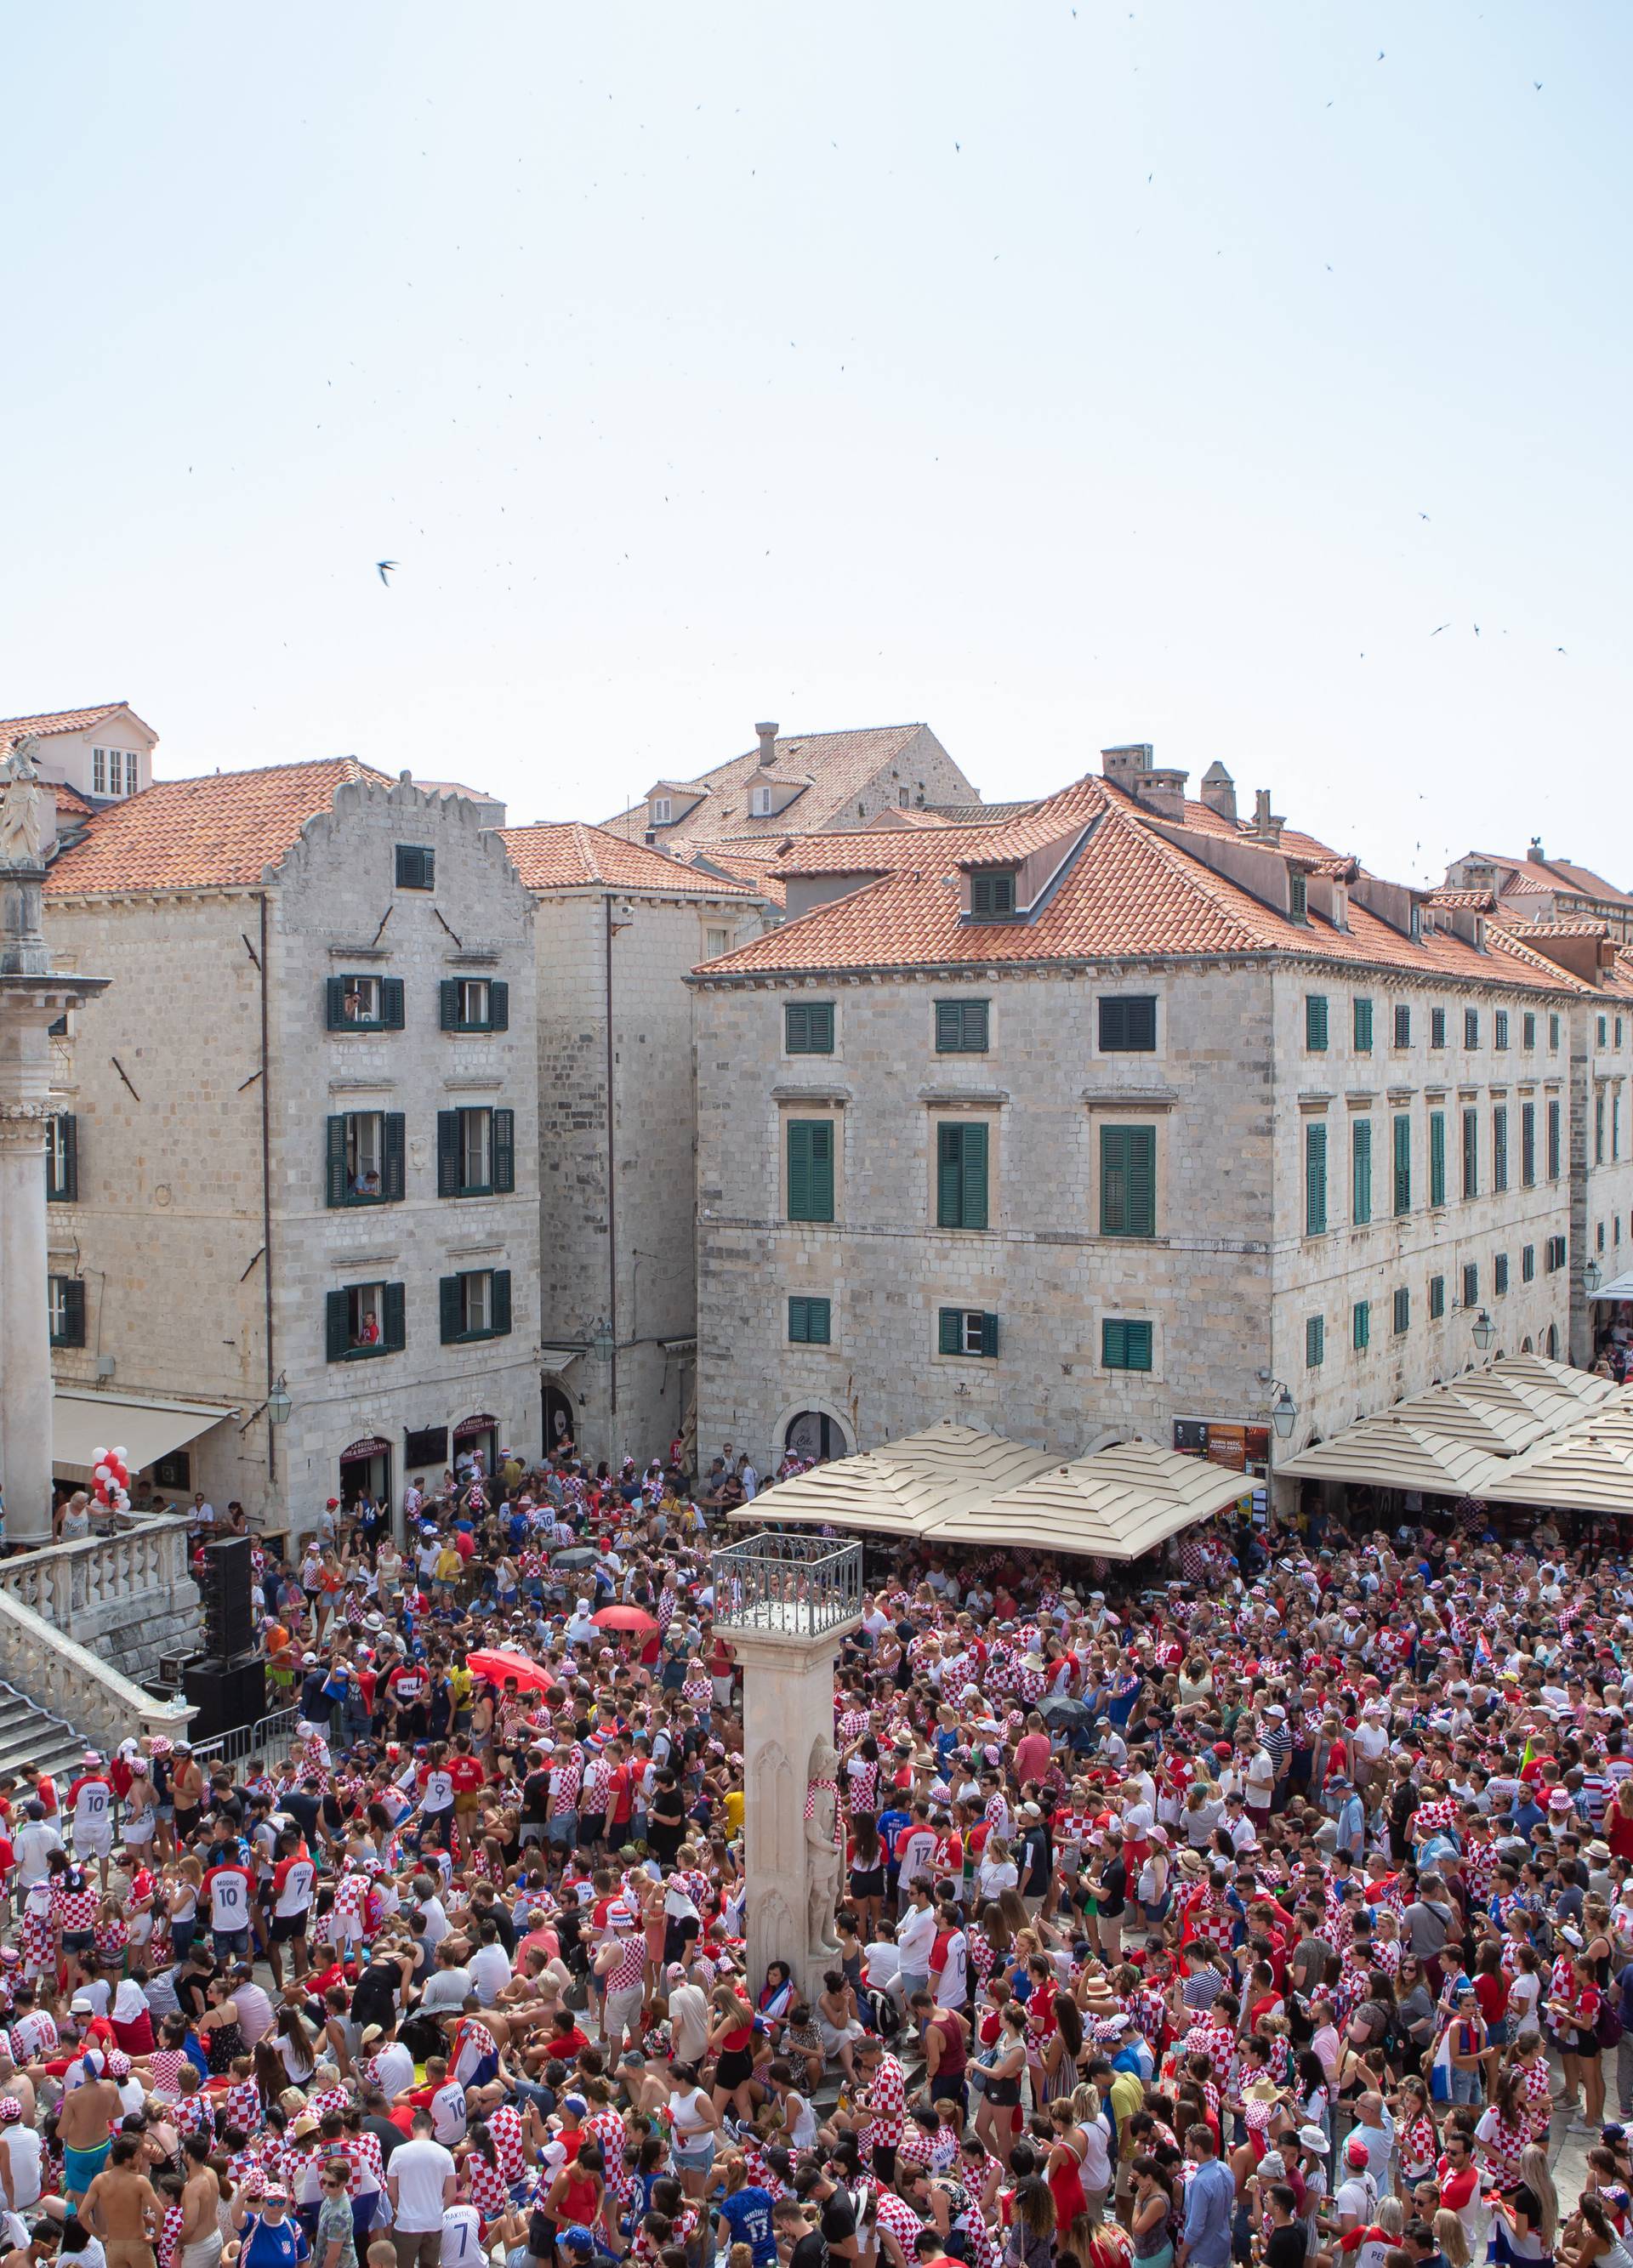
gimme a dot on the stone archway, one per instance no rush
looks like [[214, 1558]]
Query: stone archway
[[821, 1431]]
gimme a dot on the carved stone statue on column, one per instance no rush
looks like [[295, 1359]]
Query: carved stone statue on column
[[823, 1850], [22, 837]]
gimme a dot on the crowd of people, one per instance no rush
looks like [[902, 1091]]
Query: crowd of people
[[1271, 1901]]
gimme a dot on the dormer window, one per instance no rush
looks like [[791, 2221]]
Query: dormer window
[[1416, 923], [991, 894], [760, 803], [660, 809], [1297, 898], [115, 771]]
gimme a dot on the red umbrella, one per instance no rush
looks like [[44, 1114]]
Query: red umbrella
[[623, 1618], [495, 1662]]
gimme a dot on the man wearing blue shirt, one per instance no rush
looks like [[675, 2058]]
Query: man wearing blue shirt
[[1209, 2204]]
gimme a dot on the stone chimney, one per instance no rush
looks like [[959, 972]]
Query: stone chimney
[[1219, 791], [1162, 793], [1266, 826], [1123, 766], [768, 743], [1536, 856]]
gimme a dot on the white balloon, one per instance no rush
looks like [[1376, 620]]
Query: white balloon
[[120, 1455], [97, 1456], [102, 1472]]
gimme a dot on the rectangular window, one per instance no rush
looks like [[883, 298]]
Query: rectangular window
[[807, 1028], [1527, 1146], [1402, 1024], [1315, 1342], [1297, 898], [716, 941], [1128, 1180], [476, 1153], [1598, 1129], [960, 1176], [1436, 1298], [1600, 1022], [1553, 1254], [1437, 1027], [991, 894], [66, 1306], [1471, 1285], [1553, 1141], [475, 1305], [961, 1028], [1360, 1171], [1315, 1023], [1128, 1025], [1527, 1263], [473, 1004], [364, 1154], [363, 1004], [417, 867], [1499, 1275], [1615, 1125], [1599, 1235], [1361, 1325], [809, 1322], [1402, 1310], [364, 1319], [1125, 1345], [1471, 1153], [1553, 1034], [811, 1169], [1402, 1164], [99, 771], [662, 806], [62, 1159], [1437, 1158], [1315, 1178], [1499, 1148], [1362, 1021], [1499, 1028], [966, 1330], [1528, 1029], [1471, 1027]]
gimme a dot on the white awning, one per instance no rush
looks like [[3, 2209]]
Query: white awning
[[83, 1423], [558, 1358], [1620, 1287]]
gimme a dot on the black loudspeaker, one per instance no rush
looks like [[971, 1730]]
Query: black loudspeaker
[[226, 1695], [223, 1588]]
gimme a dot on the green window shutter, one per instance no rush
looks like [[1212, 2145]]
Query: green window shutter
[[799, 1324], [1436, 1298], [1128, 1023], [69, 1191], [807, 1028], [1315, 1179], [447, 1004], [819, 1321], [1471, 1153], [450, 1309], [1361, 1171], [1361, 1325], [1553, 1141], [974, 1199], [448, 1163], [796, 1028], [391, 1004], [1499, 1148], [73, 1312], [1437, 1157], [1437, 1027], [949, 1176], [822, 1170], [799, 1169], [1315, 1023], [394, 1173], [1315, 1342], [1403, 1164], [951, 1321], [394, 1328], [1127, 1181], [337, 1336], [1403, 1026], [989, 1337], [1363, 1027], [504, 1150], [1113, 1345], [1403, 1311], [498, 1006], [1138, 1346], [335, 1161], [498, 1305], [335, 996], [417, 867], [949, 1027], [822, 1028], [1141, 1181]]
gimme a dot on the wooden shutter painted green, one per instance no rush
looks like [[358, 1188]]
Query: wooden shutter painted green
[[1363, 1027], [1553, 1139], [1528, 1144], [1360, 1171], [1403, 1163], [807, 1028], [1471, 1153], [961, 1177], [498, 1303], [394, 1327], [1125, 1345], [952, 1330], [449, 1164], [1315, 1342], [1437, 1158], [73, 1312], [1127, 1181], [989, 1337], [338, 1337], [66, 1191], [417, 867], [391, 1004], [1436, 1298], [450, 1309], [799, 1330], [1128, 1023], [961, 1028], [504, 1132], [447, 1004], [1499, 1149], [498, 1006], [335, 1162], [811, 1169], [1315, 1022], [394, 1157], [1361, 1325], [1403, 1310], [1315, 1179], [991, 894], [808, 1322], [335, 995]]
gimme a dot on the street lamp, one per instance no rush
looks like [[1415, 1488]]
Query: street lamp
[[278, 1402], [1592, 1277], [1485, 1332], [1283, 1415], [601, 1343]]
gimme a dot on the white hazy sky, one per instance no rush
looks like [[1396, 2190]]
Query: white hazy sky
[[1059, 376]]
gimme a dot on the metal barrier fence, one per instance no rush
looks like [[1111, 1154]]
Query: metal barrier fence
[[800, 1586], [270, 1738]]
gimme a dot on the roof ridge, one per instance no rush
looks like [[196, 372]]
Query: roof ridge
[[1190, 869]]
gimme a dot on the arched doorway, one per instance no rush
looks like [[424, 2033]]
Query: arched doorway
[[365, 1470], [1524, 1346], [1552, 1342], [560, 1426], [477, 1435], [813, 1434]]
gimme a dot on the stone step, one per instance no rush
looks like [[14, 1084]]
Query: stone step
[[30, 1734]]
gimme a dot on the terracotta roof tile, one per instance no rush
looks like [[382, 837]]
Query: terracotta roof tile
[[767, 878], [1531, 876], [69, 800], [836, 764], [1474, 902], [217, 832], [58, 720], [573, 856]]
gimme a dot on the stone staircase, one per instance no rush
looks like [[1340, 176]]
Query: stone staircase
[[32, 1736]]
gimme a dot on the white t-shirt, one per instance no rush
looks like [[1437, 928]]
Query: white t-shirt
[[490, 1972], [461, 2237], [448, 2114], [418, 2169], [23, 2148]]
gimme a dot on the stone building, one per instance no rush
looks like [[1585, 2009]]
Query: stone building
[[1538, 888], [1116, 1113], [618, 929], [295, 1153]]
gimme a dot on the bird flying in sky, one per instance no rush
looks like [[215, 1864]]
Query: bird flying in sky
[[382, 568]]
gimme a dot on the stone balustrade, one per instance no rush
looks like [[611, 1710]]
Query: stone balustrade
[[128, 1595], [59, 1674]]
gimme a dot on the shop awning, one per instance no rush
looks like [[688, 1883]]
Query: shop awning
[[558, 1358], [1501, 1427], [1620, 1287], [870, 1495], [83, 1422], [968, 1452], [1114, 1504], [1591, 1469], [1390, 1451]]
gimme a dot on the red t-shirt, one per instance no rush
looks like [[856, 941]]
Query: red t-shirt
[[466, 1774]]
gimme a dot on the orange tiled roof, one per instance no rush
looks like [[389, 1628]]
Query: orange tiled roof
[[217, 832], [760, 875], [835, 764], [60, 720], [70, 801], [570, 855], [1474, 902], [1130, 892], [1535, 877]]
